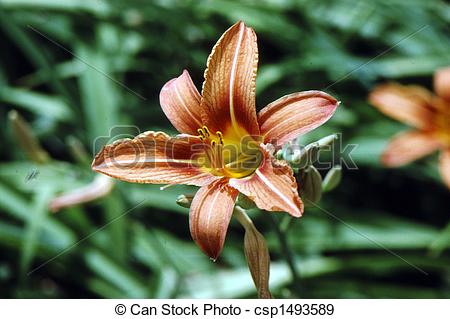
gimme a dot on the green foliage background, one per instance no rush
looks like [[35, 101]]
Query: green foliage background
[[60, 64]]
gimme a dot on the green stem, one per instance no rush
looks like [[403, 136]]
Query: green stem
[[243, 218], [286, 251], [286, 223]]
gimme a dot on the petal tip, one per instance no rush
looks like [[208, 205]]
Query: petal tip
[[210, 215], [442, 82], [388, 159], [212, 252], [296, 214], [295, 114], [95, 164], [240, 24], [299, 211]]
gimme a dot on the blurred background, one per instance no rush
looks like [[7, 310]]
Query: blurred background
[[75, 69]]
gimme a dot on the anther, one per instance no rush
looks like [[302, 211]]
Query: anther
[[205, 129], [200, 131], [219, 134]]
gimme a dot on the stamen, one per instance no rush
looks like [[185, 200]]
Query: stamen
[[219, 154], [205, 129], [230, 164], [219, 134], [210, 155], [200, 131], [216, 156]]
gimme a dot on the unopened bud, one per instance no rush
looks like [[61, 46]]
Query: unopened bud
[[27, 139], [286, 152], [258, 260], [185, 200], [305, 156], [256, 253], [311, 186], [332, 179], [327, 140]]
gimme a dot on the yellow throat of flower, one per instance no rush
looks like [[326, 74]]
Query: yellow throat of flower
[[233, 154], [442, 126]]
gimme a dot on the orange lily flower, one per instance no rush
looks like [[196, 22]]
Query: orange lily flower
[[225, 147], [428, 113]]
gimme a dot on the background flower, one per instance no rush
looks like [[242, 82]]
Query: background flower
[[429, 114]]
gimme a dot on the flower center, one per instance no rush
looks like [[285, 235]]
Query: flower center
[[231, 155], [442, 124]]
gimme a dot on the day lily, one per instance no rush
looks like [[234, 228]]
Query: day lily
[[428, 113], [225, 147]]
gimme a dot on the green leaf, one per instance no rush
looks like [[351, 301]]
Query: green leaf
[[39, 210], [100, 8], [130, 285], [237, 283], [38, 103]]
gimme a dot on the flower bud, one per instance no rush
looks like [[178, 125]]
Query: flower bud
[[258, 260], [327, 140], [185, 200], [332, 179], [306, 156], [27, 139], [256, 253], [311, 186]]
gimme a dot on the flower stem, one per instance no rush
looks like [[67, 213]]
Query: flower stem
[[286, 223], [243, 218], [286, 251]]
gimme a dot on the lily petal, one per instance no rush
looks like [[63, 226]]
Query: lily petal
[[230, 82], [295, 114], [210, 215], [409, 104], [407, 147], [180, 102], [442, 83], [153, 157], [444, 166], [272, 187]]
